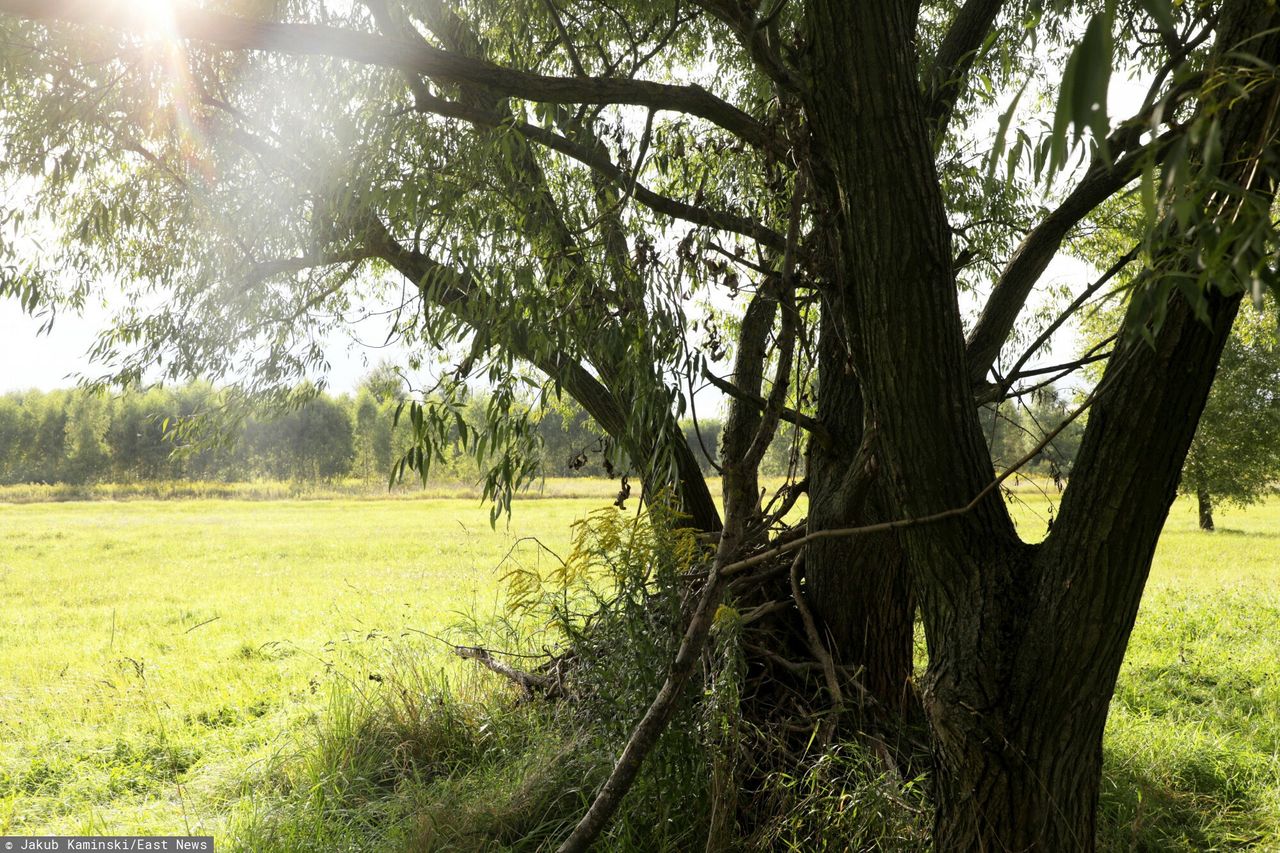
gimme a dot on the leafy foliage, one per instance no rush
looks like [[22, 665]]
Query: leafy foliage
[[1235, 456]]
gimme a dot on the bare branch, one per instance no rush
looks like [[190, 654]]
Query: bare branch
[[526, 681], [753, 33], [1080, 300], [791, 416], [903, 523], [1033, 255]]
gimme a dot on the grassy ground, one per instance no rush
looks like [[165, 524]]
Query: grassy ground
[[273, 490], [152, 653], [160, 661]]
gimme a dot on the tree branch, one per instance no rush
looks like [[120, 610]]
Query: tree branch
[[752, 32], [229, 32], [602, 164], [955, 57], [1033, 255], [1080, 300], [454, 291], [791, 416]]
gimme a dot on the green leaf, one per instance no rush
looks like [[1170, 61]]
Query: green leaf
[[1062, 115], [1093, 77], [1161, 11], [1082, 96], [1002, 129]]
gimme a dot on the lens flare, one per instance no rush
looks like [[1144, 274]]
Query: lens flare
[[157, 21]]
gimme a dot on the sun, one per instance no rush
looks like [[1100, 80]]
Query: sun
[[156, 18]]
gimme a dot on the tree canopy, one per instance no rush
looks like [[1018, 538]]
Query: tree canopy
[[1235, 455]]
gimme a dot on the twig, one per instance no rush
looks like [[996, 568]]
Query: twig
[[902, 523], [526, 680], [763, 610], [818, 649], [202, 624], [800, 419]]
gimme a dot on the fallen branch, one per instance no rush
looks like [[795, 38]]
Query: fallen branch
[[525, 680]]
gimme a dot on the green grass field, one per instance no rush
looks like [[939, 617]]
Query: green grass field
[[161, 660]]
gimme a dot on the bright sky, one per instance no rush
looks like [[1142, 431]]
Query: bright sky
[[53, 360]]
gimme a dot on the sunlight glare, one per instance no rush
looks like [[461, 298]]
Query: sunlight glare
[[155, 17]]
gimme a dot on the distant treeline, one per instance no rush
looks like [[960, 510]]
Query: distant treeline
[[77, 437]]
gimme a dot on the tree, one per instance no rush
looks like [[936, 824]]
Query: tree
[[556, 193], [136, 437], [315, 442], [1235, 455]]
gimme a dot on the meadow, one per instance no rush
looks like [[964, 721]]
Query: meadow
[[172, 666]]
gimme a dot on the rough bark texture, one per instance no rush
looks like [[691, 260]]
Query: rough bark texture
[[858, 587], [1018, 738], [1025, 642]]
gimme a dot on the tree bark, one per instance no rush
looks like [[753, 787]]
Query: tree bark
[[1025, 641], [859, 590], [1019, 687], [1205, 504]]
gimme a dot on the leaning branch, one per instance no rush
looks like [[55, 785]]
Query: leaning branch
[[955, 57], [526, 681], [811, 425], [230, 32], [1033, 255], [601, 163]]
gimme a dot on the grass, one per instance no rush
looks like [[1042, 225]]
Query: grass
[[1193, 740], [153, 654], [210, 666], [272, 490]]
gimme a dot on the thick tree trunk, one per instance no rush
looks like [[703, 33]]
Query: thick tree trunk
[[859, 589], [1034, 789], [1020, 679], [1025, 642], [1205, 504]]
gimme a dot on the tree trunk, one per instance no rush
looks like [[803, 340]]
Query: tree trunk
[[1205, 502], [1026, 785], [1025, 641], [859, 588], [1022, 672]]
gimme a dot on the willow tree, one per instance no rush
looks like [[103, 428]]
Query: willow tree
[[552, 184]]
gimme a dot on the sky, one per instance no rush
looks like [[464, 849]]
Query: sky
[[54, 360]]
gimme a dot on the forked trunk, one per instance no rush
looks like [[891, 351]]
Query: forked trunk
[[1025, 641]]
